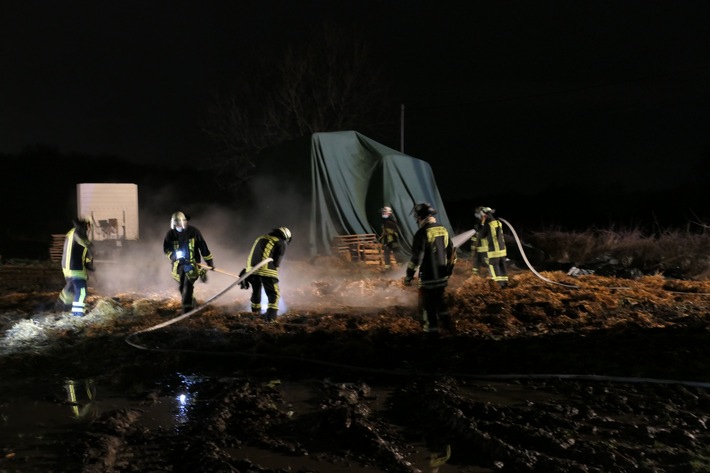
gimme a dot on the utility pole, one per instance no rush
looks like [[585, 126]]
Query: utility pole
[[401, 129]]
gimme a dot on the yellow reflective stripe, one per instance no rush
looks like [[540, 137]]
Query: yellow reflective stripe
[[68, 243], [268, 248], [265, 271], [433, 233], [496, 227]]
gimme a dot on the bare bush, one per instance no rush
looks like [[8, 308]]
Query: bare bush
[[672, 250]]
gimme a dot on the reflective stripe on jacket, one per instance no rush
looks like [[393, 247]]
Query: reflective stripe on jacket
[[267, 246], [192, 247], [492, 240], [432, 254], [77, 253]]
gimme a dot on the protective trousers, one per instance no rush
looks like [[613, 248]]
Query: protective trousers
[[433, 309], [187, 289], [74, 294], [498, 270], [271, 288], [389, 251]]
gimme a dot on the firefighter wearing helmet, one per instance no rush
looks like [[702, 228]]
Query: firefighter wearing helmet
[[389, 237], [185, 247], [77, 261], [271, 245], [489, 245], [433, 255]]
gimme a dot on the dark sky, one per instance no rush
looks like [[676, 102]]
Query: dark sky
[[498, 95]]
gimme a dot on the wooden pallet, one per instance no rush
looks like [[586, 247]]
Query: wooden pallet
[[56, 248], [362, 247]]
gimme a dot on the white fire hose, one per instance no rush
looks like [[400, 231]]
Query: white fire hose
[[197, 309]]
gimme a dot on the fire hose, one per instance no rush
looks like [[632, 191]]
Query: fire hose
[[459, 239], [202, 307], [525, 258], [218, 270]]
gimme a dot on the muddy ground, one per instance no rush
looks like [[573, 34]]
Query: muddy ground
[[581, 374]]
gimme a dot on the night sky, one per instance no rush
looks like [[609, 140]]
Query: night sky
[[499, 96]]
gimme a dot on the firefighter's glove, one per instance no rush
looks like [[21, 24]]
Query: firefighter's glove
[[173, 257], [210, 263], [203, 275], [408, 281], [245, 283], [90, 266]]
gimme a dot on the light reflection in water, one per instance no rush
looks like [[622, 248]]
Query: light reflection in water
[[185, 397]]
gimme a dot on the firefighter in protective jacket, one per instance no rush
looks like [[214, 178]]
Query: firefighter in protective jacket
[[434, 256], [389, 237], [272, 245], [77, 261], [491, 243], [185, 248]]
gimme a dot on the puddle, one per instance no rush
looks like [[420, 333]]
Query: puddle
[[36, 419]]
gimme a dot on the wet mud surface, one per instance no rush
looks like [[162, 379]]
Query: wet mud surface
[[599, 375]]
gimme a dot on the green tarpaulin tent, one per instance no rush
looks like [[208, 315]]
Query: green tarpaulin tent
[[337, 185]]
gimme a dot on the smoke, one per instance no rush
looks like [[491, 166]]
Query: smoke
[[141, 267]]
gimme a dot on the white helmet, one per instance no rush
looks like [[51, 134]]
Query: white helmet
[[480, 211], [178, 221], [286, 233], [386, 211]]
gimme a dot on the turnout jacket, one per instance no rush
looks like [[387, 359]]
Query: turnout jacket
[[432, 254], [267, 246], [190, 243], [389, 236], [77, 255], [491, 240]]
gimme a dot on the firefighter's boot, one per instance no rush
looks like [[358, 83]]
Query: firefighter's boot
[[270, 315]]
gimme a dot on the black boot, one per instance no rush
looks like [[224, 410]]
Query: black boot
[[270, 315]]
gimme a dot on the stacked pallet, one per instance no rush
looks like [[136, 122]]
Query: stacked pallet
[[358, 248], [56, 248]]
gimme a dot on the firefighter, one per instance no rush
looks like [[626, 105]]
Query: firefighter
[[272, 245], [433, 255], [77, 261], [185, 247], [389, 237], [491, 243]]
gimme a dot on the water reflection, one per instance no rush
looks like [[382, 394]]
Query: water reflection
[[81, 396], [185, 396]]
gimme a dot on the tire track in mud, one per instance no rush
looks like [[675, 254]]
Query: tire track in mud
[[517, 426]]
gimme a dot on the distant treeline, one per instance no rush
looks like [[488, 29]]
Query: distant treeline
[[568, 209]]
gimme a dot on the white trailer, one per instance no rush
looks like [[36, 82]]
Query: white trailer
[[112, 210]]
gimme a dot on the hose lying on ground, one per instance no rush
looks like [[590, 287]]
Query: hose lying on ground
[[197, 309], [525, 258]]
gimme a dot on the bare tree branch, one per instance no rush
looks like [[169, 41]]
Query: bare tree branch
[[331, 83]]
